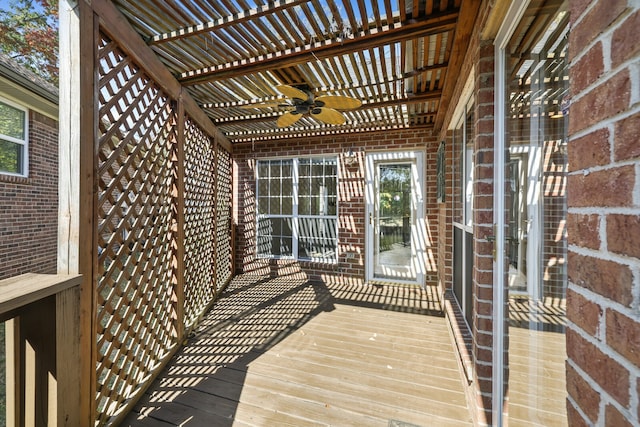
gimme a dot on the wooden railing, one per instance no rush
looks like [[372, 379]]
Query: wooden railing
[[42, 348]]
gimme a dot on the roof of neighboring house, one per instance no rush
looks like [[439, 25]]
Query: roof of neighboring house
[[25, 87]]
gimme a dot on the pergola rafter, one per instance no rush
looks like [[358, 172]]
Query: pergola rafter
[[330, 48], [224, 22]]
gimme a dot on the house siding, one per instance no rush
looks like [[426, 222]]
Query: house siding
[[350, 267], [29, 206], [603, 338]]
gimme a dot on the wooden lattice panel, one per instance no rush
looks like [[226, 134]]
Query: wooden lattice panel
[[199, 200], [223, 221], [136, 311]]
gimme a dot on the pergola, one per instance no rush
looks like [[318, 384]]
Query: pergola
[[153, 99]]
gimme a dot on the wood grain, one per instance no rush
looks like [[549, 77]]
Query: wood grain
[[283, 351]]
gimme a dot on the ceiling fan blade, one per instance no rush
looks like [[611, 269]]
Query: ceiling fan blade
[[262, 105], [338, 102], [328, 115], [287, 119], [292, 92]]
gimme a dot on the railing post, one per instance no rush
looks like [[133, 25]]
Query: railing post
[[77, 248]]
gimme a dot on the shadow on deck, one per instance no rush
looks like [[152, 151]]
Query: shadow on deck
[[285, 351]]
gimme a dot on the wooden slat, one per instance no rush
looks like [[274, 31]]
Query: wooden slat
[[361, 41], [224, 22], [68, 357]]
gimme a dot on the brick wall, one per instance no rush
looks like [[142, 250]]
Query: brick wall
[[483, 220], [603, 335], [475, 345], [29, 206], [351, 203]]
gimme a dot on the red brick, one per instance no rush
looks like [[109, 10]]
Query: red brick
[[574, 418], [609, 374], [577, 8], [602, 102], [623, 234], [587, 398], [584, 230], [594, 23], [584, 313], [624, 42], [613, 417], [623, 335], [611, 187], [29, 206], [590, 150], [588, 69], [607, 278], [626, 145]]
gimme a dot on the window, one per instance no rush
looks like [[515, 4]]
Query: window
[[463, 165], [13, 139], [297, 208]]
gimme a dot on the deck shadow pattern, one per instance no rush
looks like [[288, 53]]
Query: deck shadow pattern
[[206, 382]]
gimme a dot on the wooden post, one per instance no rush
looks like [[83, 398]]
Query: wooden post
[[216, 207], [180, 235], [77, 251]]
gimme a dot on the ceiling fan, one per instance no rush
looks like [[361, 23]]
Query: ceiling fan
[[302, 101]]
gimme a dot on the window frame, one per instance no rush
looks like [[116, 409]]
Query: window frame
[[296, 216], [21, 142]]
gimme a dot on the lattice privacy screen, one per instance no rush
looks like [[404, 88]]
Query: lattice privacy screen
[[137, 237], [200, 221]]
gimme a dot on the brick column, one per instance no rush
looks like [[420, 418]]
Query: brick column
[[483, 227], [603, 334]]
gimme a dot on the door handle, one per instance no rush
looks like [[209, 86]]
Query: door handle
[[370, 219]]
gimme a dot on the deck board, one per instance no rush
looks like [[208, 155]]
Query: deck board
[[287, 352]]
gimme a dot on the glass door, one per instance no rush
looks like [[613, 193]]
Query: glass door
[[395, 247], [530, 183]]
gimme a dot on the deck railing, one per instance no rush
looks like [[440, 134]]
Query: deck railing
[[41, 315]]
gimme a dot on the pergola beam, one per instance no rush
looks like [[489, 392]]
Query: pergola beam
[[312, 131], [387, 34]]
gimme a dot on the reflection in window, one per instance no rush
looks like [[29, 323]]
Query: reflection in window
[[300, 224]]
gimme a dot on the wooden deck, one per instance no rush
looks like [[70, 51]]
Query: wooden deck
[[287, 352], [537, 354]]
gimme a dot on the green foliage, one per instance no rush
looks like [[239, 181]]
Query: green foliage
[[29, 35]]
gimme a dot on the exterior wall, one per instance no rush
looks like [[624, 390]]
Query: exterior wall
[[483, 220], [351, 201], [29, 206], [603, 334], [475, 344]]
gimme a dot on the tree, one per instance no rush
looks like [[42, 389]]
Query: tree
[[29, 35]]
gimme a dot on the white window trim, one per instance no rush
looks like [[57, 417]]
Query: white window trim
[[24, 143], [466, 101], [295, 226]]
